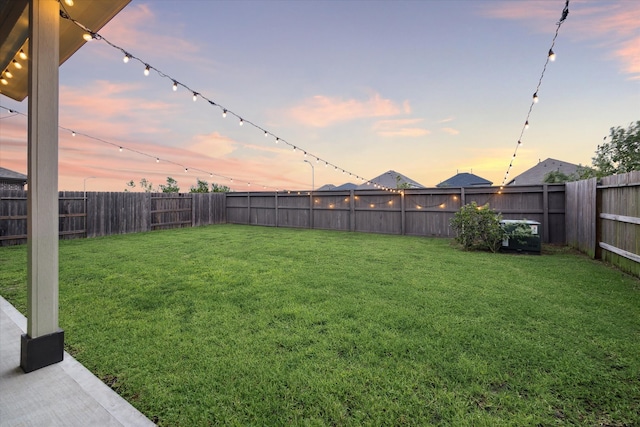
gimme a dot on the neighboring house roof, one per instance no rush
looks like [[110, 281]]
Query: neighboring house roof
[[346, 186], [331, 187], [326, 187], [536, 174], [9, 175], [465, 179], [390, 179]]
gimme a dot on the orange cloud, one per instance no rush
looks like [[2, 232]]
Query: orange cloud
[[323, 111], [400, 127], [213, 144], [450, 131]]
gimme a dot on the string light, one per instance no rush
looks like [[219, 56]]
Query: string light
[[8, 74], [550, 58], [128, 56], [3, 80], [146, 70], [195, 96], [22, 55], [121, 148], [17, 64]]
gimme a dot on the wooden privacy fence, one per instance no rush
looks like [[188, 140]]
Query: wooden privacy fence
[[603, 219], [95, 214], [418, 212]]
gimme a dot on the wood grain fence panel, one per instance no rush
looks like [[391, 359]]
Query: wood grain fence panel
[[580, 223], [208, 208], [619, 221], [13, 217]]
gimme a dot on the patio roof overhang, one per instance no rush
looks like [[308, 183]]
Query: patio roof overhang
[[14, 37]]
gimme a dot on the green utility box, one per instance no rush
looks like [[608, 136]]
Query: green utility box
[[522, 236]]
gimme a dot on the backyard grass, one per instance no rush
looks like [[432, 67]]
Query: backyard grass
[[241, 325]]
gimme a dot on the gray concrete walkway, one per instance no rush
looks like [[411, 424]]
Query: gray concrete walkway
[[64, 394]]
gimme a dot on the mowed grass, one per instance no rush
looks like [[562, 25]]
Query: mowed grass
[[240, 325]]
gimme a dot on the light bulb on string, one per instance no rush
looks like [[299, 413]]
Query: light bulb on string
[[552, 55], [277, 140], [146, 70], [120, 148], [73, 133], [17, 64], [241, 122], [224, 113], [157, 159], [3, 80], [195, 96], [87, 37], [22, 55], [266, 134], [126, 58], [175, 86], [8, 74], [535, 98], [69, 2], [305, 154], [526, 124]]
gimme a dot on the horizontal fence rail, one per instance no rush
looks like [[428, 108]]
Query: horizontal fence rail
[[94, 214], [417, 212], [603, 219]]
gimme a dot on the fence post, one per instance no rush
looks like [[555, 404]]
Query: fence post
[[402, 213], [311, 209], [248, 208], [597, 253], [352, 210], [276, 208], [193, 210], [545, 212]]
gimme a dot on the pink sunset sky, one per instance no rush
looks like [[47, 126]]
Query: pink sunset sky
[[425, 88]]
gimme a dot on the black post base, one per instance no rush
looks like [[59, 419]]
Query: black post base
[[36, 353]]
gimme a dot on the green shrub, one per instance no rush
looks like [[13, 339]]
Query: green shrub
[[478, 227]]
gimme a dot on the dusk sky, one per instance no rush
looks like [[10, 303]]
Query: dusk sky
[[426, 88]]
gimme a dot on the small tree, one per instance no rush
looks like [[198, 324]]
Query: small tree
[[478, 227], [170, 187], [621, 154], [146, 185], [218, 188], [201, 187]]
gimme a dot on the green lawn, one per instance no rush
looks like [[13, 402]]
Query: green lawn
[[240, 325]]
